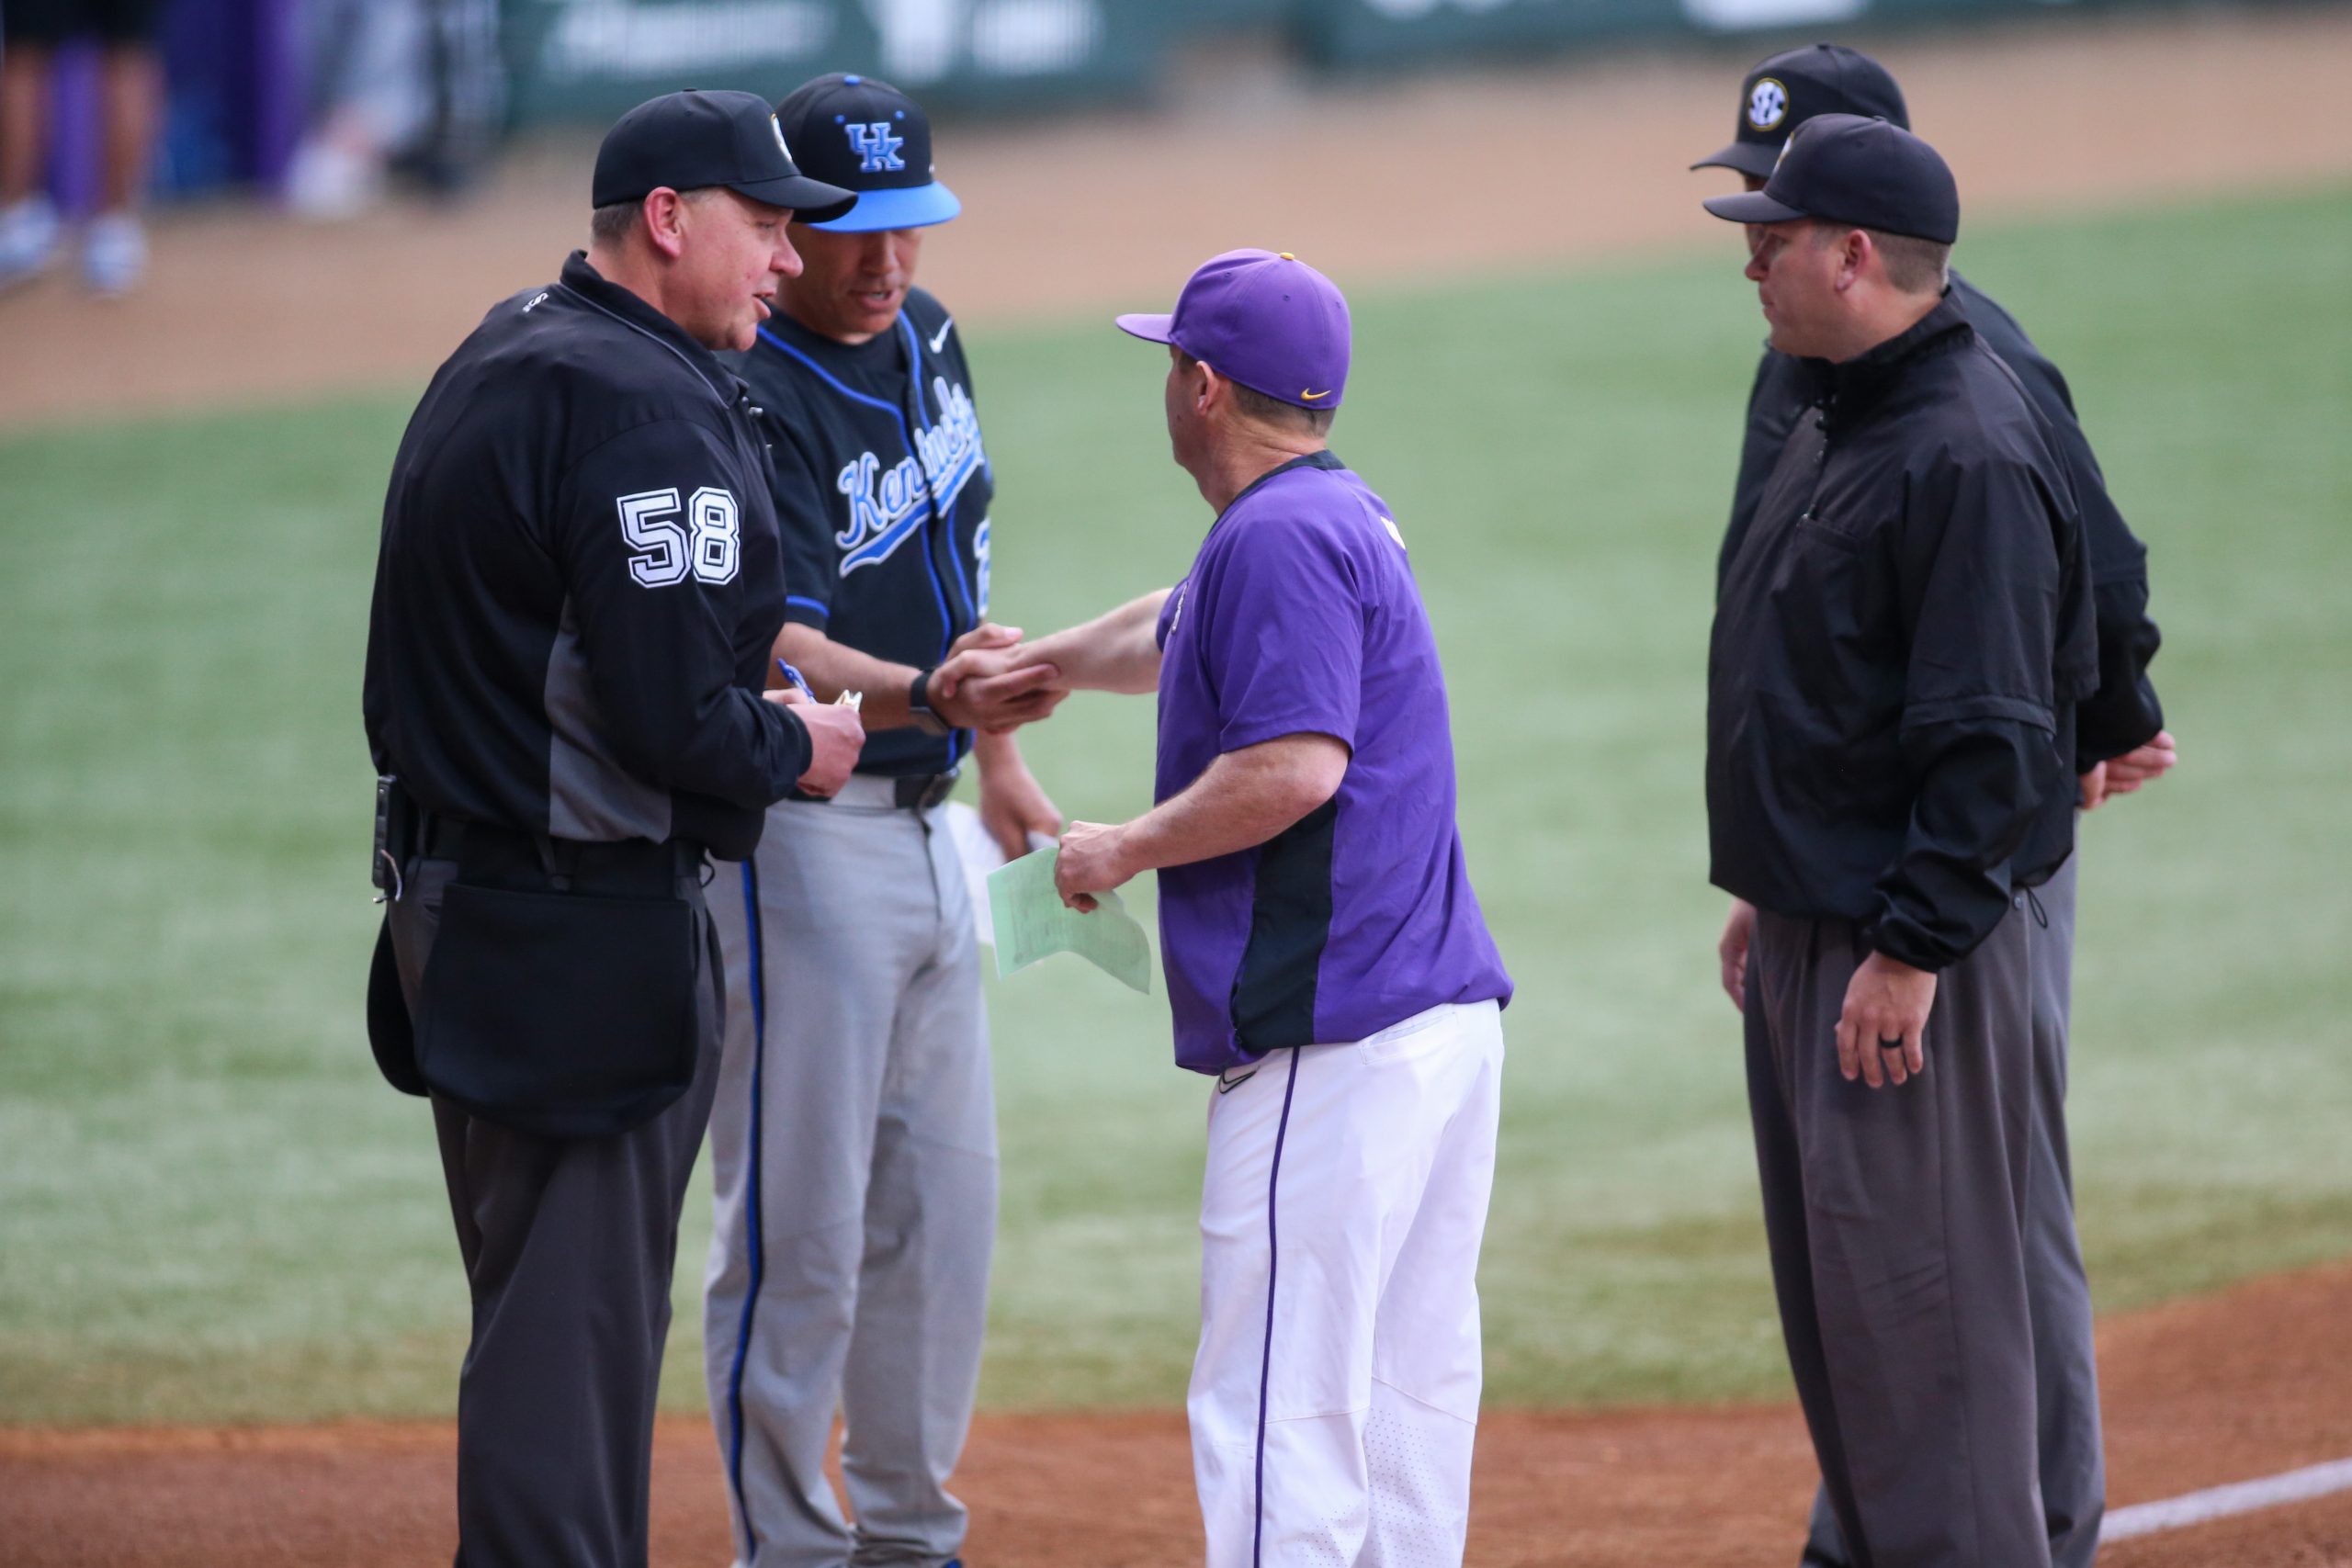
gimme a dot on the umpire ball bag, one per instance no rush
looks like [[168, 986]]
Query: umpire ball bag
[[563, 1014]]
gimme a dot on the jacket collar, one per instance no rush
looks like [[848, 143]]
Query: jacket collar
[[614, 300], [1848, 389]]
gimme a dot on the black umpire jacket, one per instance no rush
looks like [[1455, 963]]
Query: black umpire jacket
[[579, 583], [1901, 634], [2123, 713]]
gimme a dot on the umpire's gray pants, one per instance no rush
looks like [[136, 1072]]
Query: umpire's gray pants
[[2058, 1293], [854, 1151], [1897, 1218], [568, 1246]]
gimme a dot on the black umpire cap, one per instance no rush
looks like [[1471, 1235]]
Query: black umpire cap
[[1789, 89], [694, 139], [1846, 169]]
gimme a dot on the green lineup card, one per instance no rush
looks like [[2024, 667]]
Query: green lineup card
[[1031, 922]]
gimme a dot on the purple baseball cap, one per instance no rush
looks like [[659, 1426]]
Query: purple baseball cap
[[1266, 319]]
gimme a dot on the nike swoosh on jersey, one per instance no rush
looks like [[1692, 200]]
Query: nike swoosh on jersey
[[1310, 397], [941, 341]]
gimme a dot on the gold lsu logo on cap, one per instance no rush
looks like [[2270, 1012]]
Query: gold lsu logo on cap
[[1768, 103]]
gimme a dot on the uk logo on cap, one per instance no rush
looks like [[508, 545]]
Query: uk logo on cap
[[877, 148], [778, 126]]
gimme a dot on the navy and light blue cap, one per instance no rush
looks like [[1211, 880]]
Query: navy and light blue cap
[[1842, 168], [866, 136], [1264, 319]]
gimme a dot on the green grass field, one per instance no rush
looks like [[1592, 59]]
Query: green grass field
[[211, 1209]]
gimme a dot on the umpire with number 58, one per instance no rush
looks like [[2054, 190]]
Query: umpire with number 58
[[574, 601]]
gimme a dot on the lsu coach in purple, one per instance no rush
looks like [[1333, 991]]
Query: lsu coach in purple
[[1327, 961]]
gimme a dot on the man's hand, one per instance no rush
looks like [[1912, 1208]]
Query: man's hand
[[1881, 1030], [1013, 806], [1739, 930], [835, 738], [1093, 859], [986, 684], [2093, 787], [2142, 765]]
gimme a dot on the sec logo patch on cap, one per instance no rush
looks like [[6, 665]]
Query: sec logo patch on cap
[[1768, 103]]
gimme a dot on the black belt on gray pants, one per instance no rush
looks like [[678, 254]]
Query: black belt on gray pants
[[909, 791], [498, 856]]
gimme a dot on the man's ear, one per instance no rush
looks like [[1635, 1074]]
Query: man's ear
[[665, 221], [1854, 253], [1210, 389]]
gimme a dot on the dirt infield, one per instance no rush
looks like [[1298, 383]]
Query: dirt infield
[[2198, 1393], [1373, 180]]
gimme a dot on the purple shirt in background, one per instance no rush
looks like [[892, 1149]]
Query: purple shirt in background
[[1300, 615]]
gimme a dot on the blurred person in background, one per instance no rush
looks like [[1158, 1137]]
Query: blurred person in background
[[130, 99], [413, 85]]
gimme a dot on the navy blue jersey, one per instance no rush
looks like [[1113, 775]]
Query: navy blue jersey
[[882, 489]]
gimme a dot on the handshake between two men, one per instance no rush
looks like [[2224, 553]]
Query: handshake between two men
[[990, 682]]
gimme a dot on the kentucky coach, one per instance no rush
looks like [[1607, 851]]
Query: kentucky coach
[[574, 600], [1900, 637], [854, 1156]]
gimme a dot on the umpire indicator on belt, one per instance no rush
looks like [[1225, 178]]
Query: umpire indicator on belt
[[1900, 638], [854, 1139], [2119, 744], [1328, 963], [574, 601]]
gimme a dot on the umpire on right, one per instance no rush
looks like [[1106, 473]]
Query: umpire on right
[[1900, 635], [2119, 744], [574, 601]]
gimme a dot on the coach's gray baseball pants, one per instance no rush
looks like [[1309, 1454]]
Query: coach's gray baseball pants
[[2065, 1375], [1898, 1221], [854, 1151]]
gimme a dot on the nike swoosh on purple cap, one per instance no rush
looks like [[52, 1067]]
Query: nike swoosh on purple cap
[[1261, 318]]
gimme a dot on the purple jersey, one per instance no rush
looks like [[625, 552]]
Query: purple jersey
[[1300, 615]]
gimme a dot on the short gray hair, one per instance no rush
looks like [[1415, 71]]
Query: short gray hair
[[610, 224], [1265, 409], [1914, 266]]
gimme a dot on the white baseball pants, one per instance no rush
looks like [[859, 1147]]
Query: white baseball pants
[[1335, 1396]]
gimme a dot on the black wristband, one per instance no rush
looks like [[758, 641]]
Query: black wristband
[[919, 706]]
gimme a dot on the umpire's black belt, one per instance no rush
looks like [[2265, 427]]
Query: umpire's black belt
[[493, 856]]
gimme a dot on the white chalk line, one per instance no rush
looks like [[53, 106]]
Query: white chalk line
[[2220, 1501]]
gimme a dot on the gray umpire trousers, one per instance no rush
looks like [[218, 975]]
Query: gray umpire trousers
[[2058, 1293], [854, 1153], [1897, 1219], [569, 1244]]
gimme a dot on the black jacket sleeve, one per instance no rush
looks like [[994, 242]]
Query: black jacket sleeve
[[1982, 580], [648, 537], [2123, 713]]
